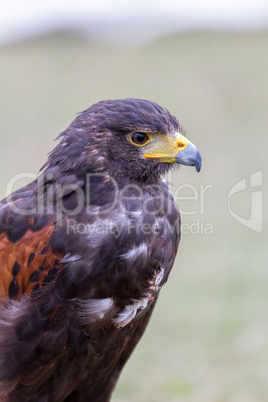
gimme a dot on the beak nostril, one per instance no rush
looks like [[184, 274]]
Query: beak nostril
[[181, 145]]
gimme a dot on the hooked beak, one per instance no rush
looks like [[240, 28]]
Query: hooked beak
[[174, 148], [189, 155]]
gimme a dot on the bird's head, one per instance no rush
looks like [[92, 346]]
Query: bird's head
[[130, 137]]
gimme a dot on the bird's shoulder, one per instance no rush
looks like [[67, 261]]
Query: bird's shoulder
[[29, 252]]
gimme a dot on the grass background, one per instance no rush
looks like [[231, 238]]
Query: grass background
[[208, 338]]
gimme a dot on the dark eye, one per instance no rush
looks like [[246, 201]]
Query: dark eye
[[139, 138]]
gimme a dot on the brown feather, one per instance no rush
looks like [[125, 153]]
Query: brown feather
[[28, 254]]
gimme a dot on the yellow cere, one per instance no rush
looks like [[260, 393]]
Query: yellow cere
[[164, 147]]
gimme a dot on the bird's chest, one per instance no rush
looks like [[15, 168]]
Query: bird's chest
[[127, 253], [145, 240]]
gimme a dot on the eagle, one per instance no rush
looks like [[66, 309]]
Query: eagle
[[84, 251]]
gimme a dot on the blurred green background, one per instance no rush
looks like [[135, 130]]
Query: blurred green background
[[208, 338]]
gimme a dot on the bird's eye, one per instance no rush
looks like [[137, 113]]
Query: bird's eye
[[139, 138]]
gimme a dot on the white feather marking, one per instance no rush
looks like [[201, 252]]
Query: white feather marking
[[100, 158], [70, 258], [93, 209], [129, 312], [105, 227], [94, 309], [135, 253], [159, 277]]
